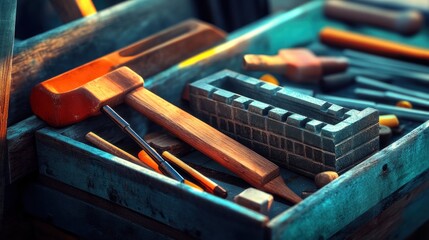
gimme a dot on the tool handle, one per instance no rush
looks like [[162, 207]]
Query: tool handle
[[350, 40], [406, 22], [239, 159], [204, 181], [112, 149], [146, 159], [125, 126]]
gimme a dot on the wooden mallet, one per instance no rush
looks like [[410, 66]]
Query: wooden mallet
[[299, 64], [60, 103]]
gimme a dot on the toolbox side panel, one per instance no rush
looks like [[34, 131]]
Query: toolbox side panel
[[356, 191], [198, 214]]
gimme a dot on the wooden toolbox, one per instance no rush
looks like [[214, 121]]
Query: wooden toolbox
[[93, 194]]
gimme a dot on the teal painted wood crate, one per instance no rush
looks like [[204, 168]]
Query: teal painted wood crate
[[93, 194]]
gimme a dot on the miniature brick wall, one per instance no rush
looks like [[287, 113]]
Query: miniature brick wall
[[299, 132]]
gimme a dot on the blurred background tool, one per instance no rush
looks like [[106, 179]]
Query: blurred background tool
[[406, 22], [7, 31], [364, 81], [390, 96], [379, 46], [299, 65], [411, 114], [418, 5], [387, 62]]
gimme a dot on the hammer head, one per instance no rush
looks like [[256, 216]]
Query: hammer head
[[60, 102], [301, 65]]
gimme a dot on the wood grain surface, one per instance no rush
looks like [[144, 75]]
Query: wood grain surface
[[244, 162], [7, 31]]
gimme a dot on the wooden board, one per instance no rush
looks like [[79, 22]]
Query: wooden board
[[7, 32], [49, 200], [403, 212], [51, 53]]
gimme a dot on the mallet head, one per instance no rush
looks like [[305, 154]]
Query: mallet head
[[61, 103]]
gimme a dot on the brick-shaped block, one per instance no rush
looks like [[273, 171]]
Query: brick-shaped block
[[313, 134], [255, 199]]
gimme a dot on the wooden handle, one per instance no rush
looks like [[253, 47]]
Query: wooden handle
[[404, 21], [207, 183], [145, 158], [242, 161], [112, 149], [345, 39]]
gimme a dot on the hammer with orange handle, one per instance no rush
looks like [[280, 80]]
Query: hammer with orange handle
[[60, 103]]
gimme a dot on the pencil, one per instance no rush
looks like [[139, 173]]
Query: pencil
[[146, 159], [207, 184], [114, 150]]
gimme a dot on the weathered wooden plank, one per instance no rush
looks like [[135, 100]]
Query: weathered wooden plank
[[7, 32], [346, 199], [141, 190], [67, 206], [70, 10], [21, 148], [405, 214], [70, 45], [412, 192]]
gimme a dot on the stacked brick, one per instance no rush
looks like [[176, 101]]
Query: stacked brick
[[299, 132]]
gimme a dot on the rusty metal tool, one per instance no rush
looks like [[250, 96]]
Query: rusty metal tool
[[60, 103]]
